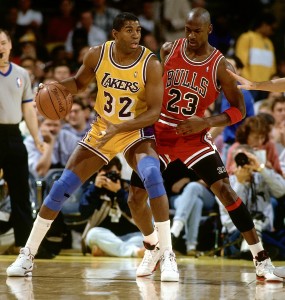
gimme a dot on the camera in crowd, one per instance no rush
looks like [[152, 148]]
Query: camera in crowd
[[113, 175], [241, 159]]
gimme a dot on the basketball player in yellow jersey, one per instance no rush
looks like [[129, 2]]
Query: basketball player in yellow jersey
[[129, 100]]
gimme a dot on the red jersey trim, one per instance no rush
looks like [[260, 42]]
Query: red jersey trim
[[204, 152], [192, 62]]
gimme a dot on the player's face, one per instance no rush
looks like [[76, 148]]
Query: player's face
[[129, 36], [197, 32]]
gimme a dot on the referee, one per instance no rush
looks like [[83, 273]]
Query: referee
[[16, 102]]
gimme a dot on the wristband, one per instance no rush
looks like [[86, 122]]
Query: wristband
[[234, 114]]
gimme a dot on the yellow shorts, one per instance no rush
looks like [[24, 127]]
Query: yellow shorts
[[119, 143]]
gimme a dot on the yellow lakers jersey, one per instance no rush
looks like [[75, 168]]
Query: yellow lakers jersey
[[121, 89]]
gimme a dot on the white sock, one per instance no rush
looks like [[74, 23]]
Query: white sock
[[151, 239], [164, 236], [255, 249], [176, 227], [40, 228]]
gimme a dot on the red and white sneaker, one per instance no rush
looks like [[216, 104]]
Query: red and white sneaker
[[149, 262], [265, 268]]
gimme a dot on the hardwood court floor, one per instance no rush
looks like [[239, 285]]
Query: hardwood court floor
[[73, 276]]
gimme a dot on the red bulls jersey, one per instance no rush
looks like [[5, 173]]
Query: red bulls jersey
[[190, 87]]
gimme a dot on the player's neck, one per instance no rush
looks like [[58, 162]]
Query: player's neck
[[125, 58], [199, 54]]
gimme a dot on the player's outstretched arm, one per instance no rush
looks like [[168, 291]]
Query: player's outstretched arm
[[244, 83], [274, 85]]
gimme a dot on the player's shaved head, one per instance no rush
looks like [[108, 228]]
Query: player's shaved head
[[200, 13]]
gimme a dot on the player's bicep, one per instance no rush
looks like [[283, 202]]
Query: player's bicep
[[86, 72], [229, 86]]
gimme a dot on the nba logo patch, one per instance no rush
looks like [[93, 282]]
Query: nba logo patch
[[19, 82]]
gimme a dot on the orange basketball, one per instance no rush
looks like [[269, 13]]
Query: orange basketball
[[54, 101]]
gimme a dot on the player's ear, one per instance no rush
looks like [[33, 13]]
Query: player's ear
[[114, 33], [210, 29]]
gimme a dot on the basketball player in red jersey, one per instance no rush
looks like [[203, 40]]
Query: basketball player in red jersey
[[194, 74]]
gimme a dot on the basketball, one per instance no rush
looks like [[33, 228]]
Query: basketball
[[53, 101]]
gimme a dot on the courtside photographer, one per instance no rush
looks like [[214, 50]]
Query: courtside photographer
[[110, 230], [256, 183]]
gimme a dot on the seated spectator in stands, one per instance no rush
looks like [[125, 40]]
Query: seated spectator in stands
[[110, 230], [77, 119], [61, 71], [229, 132], [255, 184], [15, 30], [104, 16], [58, 146], [188, 196], [85, 33], [278, 132], [30, 46], [255, 132], [174, 14], [29, 63], [149, 40], [28, 16], [62, 23], [146, 17]]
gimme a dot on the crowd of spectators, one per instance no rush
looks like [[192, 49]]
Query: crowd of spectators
[[50, 40]]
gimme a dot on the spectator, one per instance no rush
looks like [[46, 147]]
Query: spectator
[[77, 119], [147, 17], [174, 15], [31, 47], [188, 196], [149, 40], [278, 112], [61, 71], [61, 24], [116, 235], [256, 51], [104, 16], [10, 24], [255, 132], [58, 146], [85, 33], [27, 16], [255, 184]]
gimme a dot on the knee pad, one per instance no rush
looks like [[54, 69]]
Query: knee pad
[[149, 172], [61, 190], [240, 216]]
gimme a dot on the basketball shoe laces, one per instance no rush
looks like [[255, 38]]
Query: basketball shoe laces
[[168, 262], [149, 257]]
